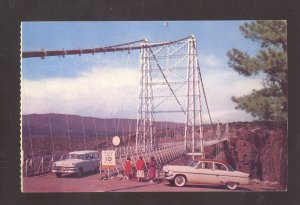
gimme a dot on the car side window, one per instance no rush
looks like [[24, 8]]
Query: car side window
[[91, 156], [209, 165], [88, 156], [205, 165], [81, 156], [219, 166], [199, 165]]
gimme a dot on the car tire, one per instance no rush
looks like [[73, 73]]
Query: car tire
[[80, 172], [58, 175], [232, 185], [96, 170], [180, 180]]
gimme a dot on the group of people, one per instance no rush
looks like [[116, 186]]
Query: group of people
[[140, 168]]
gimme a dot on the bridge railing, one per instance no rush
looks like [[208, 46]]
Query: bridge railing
[[163, 153]]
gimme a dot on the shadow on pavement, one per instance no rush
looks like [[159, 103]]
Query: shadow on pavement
[[142, 184], [220, 187]]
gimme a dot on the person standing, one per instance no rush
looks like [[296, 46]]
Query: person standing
[[140, 166], [151, 172], [127, 168]]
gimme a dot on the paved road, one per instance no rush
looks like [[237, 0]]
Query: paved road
[[91, 183]]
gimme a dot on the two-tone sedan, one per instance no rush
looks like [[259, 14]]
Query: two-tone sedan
[[77, 162], [210, 172]]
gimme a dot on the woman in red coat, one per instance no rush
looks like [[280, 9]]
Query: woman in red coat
[[127, 168], [151, 172], [140, 166]]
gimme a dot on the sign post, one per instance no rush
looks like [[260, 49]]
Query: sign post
[[108, 160]]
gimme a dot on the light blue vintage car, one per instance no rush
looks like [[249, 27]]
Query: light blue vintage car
[[78, 162]]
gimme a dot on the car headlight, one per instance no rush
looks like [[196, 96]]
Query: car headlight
[[165, 169], [73, 164]]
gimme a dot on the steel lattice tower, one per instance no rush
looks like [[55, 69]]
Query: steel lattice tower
[[190, 106], [144, 129]]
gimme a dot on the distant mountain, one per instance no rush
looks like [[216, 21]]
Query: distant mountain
[[62, 124]]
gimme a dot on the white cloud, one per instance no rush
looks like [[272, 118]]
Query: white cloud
[[220, 87], [113, 92], [99, 92], [210, 60]]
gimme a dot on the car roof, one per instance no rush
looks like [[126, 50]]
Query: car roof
[[84, 152]]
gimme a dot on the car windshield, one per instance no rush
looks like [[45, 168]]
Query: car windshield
[[75, 156], [192, 163]]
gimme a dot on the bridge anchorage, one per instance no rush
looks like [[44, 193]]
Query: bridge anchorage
[[170, 88]]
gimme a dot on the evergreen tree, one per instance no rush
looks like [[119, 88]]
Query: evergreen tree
[[271, 102]]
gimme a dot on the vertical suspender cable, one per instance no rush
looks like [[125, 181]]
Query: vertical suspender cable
[[47, 107], [83, 132], [30, 137], [106, 133], [29, 132], [93, 115], [95, 126], [66, 116]]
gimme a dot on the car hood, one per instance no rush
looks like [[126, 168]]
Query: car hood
[[68, 162]]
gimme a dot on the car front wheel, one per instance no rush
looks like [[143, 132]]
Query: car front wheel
[[180, 181], [58, 174], [80, 172], [232, 185]]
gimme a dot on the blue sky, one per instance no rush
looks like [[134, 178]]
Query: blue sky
[[92, 85]]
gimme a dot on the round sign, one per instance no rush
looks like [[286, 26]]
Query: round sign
[[116, 140]]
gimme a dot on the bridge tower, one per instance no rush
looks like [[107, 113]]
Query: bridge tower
[[144, 128], [193, 111], [190, 107]]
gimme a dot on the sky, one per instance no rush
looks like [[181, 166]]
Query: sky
[[106, 85]]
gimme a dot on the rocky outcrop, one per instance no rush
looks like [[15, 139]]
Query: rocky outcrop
[[259, 148]]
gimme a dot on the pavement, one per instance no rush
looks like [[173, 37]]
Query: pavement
[[92, 183]]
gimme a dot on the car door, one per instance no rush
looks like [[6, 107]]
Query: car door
[[204, 174], [95, 161], [87, 163], [222, 173]]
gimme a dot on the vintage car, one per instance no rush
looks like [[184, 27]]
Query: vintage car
[[78, 162], [211, 172]]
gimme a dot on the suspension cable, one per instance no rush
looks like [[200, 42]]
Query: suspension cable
[[120, 47], [202, 85]]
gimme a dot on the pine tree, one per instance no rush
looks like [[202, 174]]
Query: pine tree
[[271, 102]]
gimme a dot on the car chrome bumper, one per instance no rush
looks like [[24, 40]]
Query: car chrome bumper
[[168, 176], [65, 170]]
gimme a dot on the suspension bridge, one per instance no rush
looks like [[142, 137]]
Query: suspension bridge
[[170, 90]]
